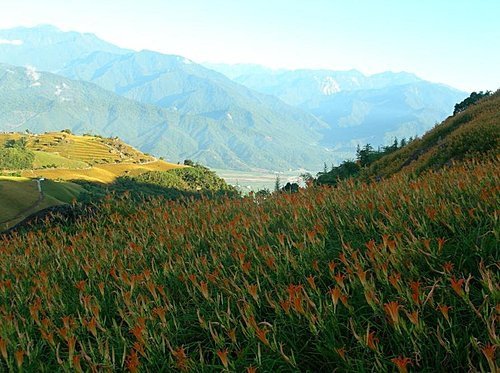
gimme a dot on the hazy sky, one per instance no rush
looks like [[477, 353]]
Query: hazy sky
[[456, 42]]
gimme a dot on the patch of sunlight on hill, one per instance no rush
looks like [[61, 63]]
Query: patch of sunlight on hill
[[16, 194], [101, 173], [20, 198]]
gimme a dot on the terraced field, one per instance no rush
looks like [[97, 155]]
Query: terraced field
[[88, 149], [64, 157]]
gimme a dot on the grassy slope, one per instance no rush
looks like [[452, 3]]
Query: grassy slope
[[474, 132], [46, 159], [89, 158], [19, 197], [84, 151], [16, 194], [353, 279]]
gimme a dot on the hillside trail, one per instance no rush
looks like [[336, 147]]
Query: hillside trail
[[22, 213]]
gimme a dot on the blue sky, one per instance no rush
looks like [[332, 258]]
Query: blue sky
[[456, 42]]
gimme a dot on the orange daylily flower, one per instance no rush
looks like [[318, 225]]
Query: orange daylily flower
[[332, 265], [310, 280], [448, 267], [413, 317], [392, 246], [311, 235], [444, 310], [489, 353], [3, 348], [371, 297], [246, 266], [204, 289], [394, 280], [392, 310], [427, 243], [138, 347], [335, 293], [457, 285], [232, 335], [252, 290], [343, 299], [160, 312], [372, 340], [441, 242], [415, 288], [285, 304], [181, 359], [19, 358], [223, 357], [261, 334], [401, 363], [76, 363], [315, 265], [341, 351], [362, 276], [133, 361], [339, 277], [92, 326]]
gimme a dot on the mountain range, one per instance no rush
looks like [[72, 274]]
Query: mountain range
[[39, 102], [239, 117], [368, 109]]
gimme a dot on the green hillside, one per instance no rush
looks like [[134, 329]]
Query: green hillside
[[65, 156], [252, 132], [358, 278], [20, 197], [89, 168], [473, 133], [65, 161]]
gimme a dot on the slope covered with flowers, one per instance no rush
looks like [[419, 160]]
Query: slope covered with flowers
[[401, 274]]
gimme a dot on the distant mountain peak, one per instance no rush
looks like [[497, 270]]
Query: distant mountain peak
[[329, 86], [48, 48]]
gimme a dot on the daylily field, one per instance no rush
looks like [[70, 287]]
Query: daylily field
[[397, 275]]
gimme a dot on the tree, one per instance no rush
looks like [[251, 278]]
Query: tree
[[277, 184], [291, 187], [363, 155], [17, 144], [16, 159], [262, 193], [471, 100]]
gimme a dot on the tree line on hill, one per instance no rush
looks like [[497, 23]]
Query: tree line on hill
[[471, 100], [365, 156], [193, 181]]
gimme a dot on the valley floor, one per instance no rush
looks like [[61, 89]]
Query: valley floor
[[257, 180]]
